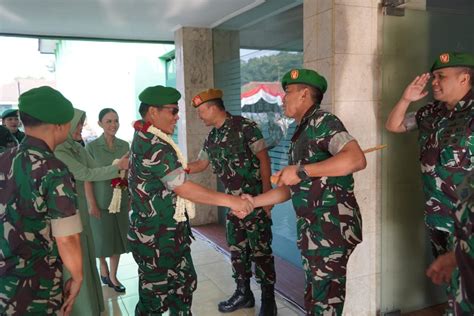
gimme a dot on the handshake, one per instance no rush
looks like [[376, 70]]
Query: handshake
[[243, 205]]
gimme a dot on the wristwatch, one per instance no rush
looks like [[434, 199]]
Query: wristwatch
[[302, 173]]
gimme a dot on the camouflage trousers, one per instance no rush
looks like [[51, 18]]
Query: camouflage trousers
[[40, 294], [463, 278], [441, 243], [250, 239], [460, 305], [167, 278], [325, 276]]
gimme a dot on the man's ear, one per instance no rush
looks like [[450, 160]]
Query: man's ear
[[465, 78]]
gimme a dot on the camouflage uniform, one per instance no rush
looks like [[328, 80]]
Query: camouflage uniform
[[464, 247], [19, 135], [37, 202], [231, 151], [446, 145], [7, 140], [160, 245], [446, 149], [329, 224]]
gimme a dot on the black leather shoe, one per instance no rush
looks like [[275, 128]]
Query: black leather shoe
[[117, 288], [105, 280]]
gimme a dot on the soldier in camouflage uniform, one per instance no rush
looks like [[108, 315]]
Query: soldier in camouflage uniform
[[160, 244], [7, 140], [40, 226], [236, 150], [322, 157], [446, 142], [464, 247], [463, 255], [10, 120]]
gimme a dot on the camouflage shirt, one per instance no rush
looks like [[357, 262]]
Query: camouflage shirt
[[464, 237], [154, 173], [324, 205], [7, 140], [231, 150], [19, 135], [446, 154], [37, 203]]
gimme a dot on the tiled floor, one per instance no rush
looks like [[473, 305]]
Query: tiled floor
[[214, 285]]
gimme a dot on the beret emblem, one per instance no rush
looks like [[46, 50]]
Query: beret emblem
[[294, 74]]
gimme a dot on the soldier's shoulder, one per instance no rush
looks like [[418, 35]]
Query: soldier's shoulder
[[323, 115], [244, 122], [46, 160], [239, 119], [428, 108]]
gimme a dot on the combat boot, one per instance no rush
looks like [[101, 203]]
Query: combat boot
[[242, 298], [268, 307]]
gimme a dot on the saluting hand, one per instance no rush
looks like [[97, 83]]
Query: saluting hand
[[415, 90]]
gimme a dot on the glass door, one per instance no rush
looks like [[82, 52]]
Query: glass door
[[414, 34]]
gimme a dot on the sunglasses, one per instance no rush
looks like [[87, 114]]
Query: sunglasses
[[173, 111]]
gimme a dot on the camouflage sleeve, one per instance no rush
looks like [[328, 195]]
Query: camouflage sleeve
[[66, 226], [203, 155], [338, 142], [174, 179], [329, 133], [423, 112], [60, 193], [410, 121], [254, 137], [163, 162]]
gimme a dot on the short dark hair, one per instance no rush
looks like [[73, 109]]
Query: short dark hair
[[217, 102], [105, 111], [30, 121], [315, 94], [143, 109]]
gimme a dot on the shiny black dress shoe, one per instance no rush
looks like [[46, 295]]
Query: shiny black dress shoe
[[117, 288], [105, 280]]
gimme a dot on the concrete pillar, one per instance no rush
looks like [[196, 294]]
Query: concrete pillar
[[194, 73], [341, 42]]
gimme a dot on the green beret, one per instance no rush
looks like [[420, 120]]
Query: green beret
[[159, 95], [305, 76], [453, 60], [206, 95], [47, 105], [10, 113]]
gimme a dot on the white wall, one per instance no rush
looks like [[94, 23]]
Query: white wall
[[95, 75]]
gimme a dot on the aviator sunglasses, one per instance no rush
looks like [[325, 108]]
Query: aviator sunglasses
[[173, 111]]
